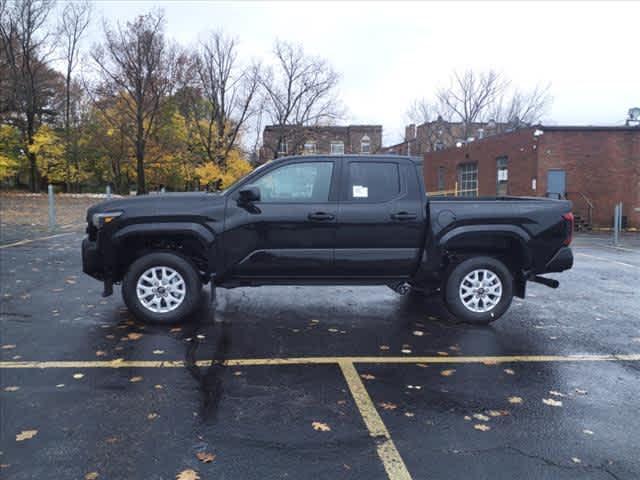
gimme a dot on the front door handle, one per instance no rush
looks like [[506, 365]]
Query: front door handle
[[403, 216], [320, 216]]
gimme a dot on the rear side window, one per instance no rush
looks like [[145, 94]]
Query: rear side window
[[373, 181]]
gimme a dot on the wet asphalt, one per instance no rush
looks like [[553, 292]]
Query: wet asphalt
[[550, 419]]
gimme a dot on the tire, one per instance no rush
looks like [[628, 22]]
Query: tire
[[491, 303], [179, 297]]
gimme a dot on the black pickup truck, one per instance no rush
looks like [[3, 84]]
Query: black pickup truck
[[327, 220]]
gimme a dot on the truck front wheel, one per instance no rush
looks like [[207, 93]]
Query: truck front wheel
[[161, 287], [479, 290]]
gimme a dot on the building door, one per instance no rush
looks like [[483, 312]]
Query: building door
[[556, 183]]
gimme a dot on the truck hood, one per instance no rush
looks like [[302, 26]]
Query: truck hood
[[164, 204]]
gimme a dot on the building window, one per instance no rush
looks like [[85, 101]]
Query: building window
[[310, 148], [337, 148], [365, 144], [439, 145], [502, 176], [468, 179], [440, 179], [282, 147]]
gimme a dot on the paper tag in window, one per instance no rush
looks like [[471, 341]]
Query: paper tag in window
[[360, 192]]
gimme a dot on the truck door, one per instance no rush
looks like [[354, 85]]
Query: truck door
[[290, 231], [380, 219]]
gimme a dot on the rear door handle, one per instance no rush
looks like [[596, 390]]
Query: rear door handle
[[320, 216], [404, 216]]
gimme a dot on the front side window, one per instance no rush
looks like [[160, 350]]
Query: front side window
[[337, 148], [502, 176], [373, 182], [299, 182], [468, 180]]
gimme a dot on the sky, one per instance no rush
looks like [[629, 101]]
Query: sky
[[390, 53]]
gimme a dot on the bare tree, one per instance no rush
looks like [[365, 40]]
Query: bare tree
[[471, 96], [522, 107], [300, 90], [139, 67], [229, 92], [30, 83], [75, 20]]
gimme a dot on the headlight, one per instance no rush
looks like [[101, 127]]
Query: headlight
[[100, 219]]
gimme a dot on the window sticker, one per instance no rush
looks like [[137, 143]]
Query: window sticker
[[360, 191]]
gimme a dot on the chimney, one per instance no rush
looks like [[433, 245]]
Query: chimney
[[410, 132]]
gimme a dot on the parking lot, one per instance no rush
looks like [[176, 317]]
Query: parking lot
[[319, 382]]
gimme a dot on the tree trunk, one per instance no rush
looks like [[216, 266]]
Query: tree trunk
[[142, 188]]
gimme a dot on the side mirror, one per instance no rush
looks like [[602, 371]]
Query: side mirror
[[249, 194]]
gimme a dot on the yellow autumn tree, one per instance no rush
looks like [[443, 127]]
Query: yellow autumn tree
[[236, 167], [49, 150], [10, 153]]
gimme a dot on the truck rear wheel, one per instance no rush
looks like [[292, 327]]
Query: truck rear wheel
[[161, 287], [479, 290]]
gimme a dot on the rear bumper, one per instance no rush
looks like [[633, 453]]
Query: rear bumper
[[561, 261], [91, 260]]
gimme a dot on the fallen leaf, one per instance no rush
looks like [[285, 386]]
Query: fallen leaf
[[498, 413], [576, 460], [60, 385], [587, 432], [158, 352], [581, 392], [8, 347], [158, 387], [78, 376], [388, 405], [205, 457], [368, 376], [556, 394], [237, 373], [418, 333], [188, 474], [447, 373], [422, 365], [409, 414], [175, 329], [454, 348], [481, 417], [26, 435], [91, 476], [489, 362], [406, 350], [100, 353], [384, 347], [134, 336], [508, 371], [11, 389], [332, 330], [414, 387], [443, 354], [152, 416], [135, 379], [467, 417], [551, 402], [320, 427], [482, 427], [515, 400], [70, 281], [200, 337]]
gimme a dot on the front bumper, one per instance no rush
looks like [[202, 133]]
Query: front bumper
[[92, 260], [561, 261]]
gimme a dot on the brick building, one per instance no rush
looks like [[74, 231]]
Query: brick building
[[279, 141], [594, 167], [440, 134]]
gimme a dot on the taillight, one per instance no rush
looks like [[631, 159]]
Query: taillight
[[568, 218]]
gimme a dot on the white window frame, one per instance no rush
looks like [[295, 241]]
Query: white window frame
[[337, 143], [282, 147], [365, 141], [310, 148]]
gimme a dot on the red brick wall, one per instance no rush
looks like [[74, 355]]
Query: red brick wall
[[602, 164], [519, 147]]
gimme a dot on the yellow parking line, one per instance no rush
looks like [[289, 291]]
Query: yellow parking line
[[24, 242], [387, 451], [487, 359]]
